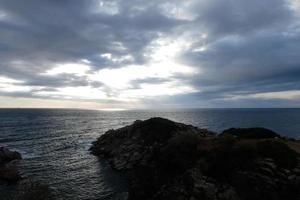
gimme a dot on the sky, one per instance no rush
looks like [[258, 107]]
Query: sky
[[141, 54]]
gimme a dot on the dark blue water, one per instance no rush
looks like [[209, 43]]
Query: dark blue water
[[55, 143]]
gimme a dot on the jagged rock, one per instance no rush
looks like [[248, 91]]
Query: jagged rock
[[172, 161], [6, 155], [133, 144], [8, 171], [194, 185]]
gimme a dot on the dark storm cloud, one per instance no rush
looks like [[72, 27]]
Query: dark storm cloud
[[239, 16], [251, 47], [36, 35], [239, 60], [247, 47], [41, 33]]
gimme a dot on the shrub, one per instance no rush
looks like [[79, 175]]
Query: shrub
[[230, 157], [279, 151], [180, 153]]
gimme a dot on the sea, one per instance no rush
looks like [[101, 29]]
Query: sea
[[55, 143]]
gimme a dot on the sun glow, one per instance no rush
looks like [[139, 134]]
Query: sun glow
[[118, 83], [120, 78], [69, 68]]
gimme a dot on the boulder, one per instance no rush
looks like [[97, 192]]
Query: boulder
[[8, 171], [7, 155]]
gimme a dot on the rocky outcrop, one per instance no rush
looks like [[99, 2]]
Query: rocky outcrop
[[6, 155], [193, 185], [8, 171], [166, 160], [251, 133], [27, 189], [135, 144]]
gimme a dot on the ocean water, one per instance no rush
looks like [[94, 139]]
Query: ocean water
[[55, 142]]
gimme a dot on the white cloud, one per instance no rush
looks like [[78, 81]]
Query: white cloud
[[120, 78], [179, 9], [117, 59], [12, 85], [69, 68], [162, 64], [6, 80], [106, 7], [284, 95], [287, 95], [153, 90]]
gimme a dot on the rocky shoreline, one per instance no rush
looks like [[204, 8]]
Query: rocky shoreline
[[25, 188], [173, 161], [8, 170]]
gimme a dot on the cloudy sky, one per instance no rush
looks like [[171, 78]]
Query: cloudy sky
[[115, 54]]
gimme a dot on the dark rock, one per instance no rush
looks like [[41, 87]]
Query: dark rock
[[280, 152], [172, 161], [264, 182], [250, 133], [6, 155], [28, 189], [134, 144], [8, 171], [121, 196]]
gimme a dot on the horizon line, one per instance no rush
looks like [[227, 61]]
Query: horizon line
[[140, 109]]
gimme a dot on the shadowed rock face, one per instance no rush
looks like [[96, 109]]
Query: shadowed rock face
[[25, 189], [172, 161], [251, 133], [8, 171], [6, 155]]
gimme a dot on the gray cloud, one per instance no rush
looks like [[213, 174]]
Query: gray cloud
[[62, 31], [241, 17], [251, 46]]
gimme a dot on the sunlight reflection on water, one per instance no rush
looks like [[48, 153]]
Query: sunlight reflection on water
[[55, 143]]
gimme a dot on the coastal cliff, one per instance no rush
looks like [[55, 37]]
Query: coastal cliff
[[173, 161]]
